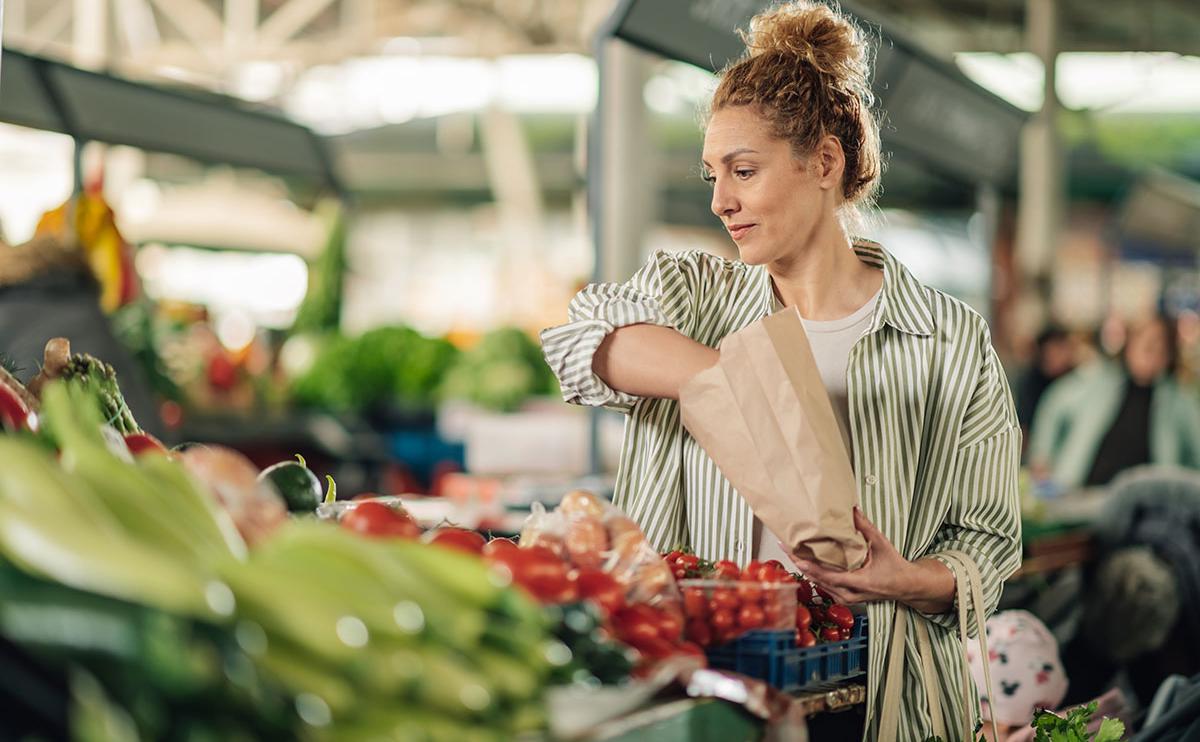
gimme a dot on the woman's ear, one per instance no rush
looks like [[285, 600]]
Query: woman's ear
[[830, 162]]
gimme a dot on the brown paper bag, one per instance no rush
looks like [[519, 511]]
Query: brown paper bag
[[763, 415]]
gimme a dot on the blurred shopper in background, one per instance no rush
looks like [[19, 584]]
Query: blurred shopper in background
[[1054, 356], [1106, 417]]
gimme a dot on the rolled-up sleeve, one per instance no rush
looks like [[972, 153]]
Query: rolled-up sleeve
[[984, 518], [658, 294]]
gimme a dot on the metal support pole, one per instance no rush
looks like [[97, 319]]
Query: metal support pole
[[1043, 190]]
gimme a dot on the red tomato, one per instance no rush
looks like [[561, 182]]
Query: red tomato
[[601, 588], [695, 605], [378, 520], [772, 571], [672, 556], [679, 572], [692, 650], [775, 614], [14, 413], [497, 546], [688, 561], [750, 617], [841, 616], [721, 620], [140, 443], [822, 594], [803, 618], [750, 573], [633, 625], [670, 623], [722, 597], [845, 634], [749, 592], [652, 647], [805, 638], [818, 614], [726, 570], [698, 631], [831, 633], [460, 539]]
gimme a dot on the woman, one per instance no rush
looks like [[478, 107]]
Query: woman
[[792, 151], [1105, 418]]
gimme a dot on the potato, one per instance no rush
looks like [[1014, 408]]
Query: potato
[[581, 502]]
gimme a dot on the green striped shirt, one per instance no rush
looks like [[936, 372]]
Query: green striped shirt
[[934, 432]]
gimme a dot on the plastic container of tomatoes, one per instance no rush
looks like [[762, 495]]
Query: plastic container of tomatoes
[[772, 656], [718, 611]]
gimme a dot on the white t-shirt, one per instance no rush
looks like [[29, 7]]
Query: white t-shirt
[[831, 342]]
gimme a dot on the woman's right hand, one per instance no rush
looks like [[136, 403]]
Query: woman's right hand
[[650, 360]]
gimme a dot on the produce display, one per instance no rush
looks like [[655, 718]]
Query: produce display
[[184, 594], [311, 632], [500, 372]]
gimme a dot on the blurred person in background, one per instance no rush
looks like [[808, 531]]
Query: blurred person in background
[[1106, 417], [1054, 356]]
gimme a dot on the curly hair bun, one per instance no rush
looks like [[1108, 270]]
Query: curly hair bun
[[818, 35]]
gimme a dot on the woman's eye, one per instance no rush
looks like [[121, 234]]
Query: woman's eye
[[743, 174], [708, 178]]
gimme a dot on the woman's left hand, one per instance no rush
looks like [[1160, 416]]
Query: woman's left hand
[[883, 576]]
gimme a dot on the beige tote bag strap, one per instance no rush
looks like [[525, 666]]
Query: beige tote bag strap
[[970, 588], [932, 692], [889, 718]]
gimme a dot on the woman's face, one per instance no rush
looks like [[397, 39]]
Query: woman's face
[[769, 201], [1147, 353]]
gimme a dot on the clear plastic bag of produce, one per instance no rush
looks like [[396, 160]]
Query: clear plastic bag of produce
[[592, 534]]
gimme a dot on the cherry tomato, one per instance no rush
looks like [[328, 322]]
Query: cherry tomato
[[841, 616], [695, 605], [845, 634], [722, 598], [750, 617], [803, 618], [775, 613], [698, 631], [456, 538], [822, 594], [818, 614], [600, 588], [750, 573], [749, 592], [726, 570], [377, 520], [671, 557], [775, 564], [831, 633], [805, 638], [721, 620], [688, 562]]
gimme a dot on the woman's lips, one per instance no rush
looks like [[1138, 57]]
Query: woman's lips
[[738, 231]]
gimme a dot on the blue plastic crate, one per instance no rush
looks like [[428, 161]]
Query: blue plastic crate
[[773, 656]]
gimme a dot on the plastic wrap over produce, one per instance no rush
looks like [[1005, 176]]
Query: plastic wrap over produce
[[594, 535]]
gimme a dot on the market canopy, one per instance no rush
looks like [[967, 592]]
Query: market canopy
[[44, 94], [935, 113]]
